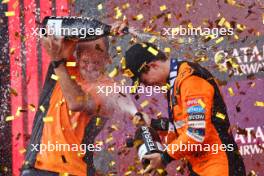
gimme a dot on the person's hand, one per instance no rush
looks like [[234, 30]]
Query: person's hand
[[119, 26], [137, 120], [58, 48], [155, 163]]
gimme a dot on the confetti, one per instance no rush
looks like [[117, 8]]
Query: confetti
[[64, 174], [32, 107], [42, 108], [152, 39], [153, 51], [48, 119], [100, 6], [9, 118], [10, 13], [128, 173], [123, 63], [128, 73], [219, 40], [201, 103], [98, 121], [231, 2], [126, 5], [112, 163], [113, 73], [54, 77], [13, 91], [109, 139], [5, 1], [118, 13], [144, 103], [73, 77], [222, 21], [18, 111], [263, 18], [139, 17], [22, 150], [163, 7], [220, 115], [167, 50], [231, 92], [159, 114], [259, 103], [71, 64], [119, 49]]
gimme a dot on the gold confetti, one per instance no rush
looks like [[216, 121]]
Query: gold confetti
[[64, 174], [222, 21], [119, 49], [128, 173], [163, 7], [22, 150], [70, 64], [241, 27], [167, 50], [126, 5], [123, 63], [100, 6], [219, 40], [113, 73], [74, 125], [144, 103], [236, 37], [114, 127], [139, 17], [152, 39], [109, 139], [10, 13], [220, 115], [98, 121], [5, 1], [18, 111], [161, 171], [32, 107], [227, 24], [54, 77], [231, 92], [15, 4], [118, 13], [159, 114], [231, 2], [13, 91], [263, 18], [259, 103], [201, 103], [42, 108], [153, 51], [73, 77], [48, 119], [128, 73], [12, 50], [112, 163], [9, 118]]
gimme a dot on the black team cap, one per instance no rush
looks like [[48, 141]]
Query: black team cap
[[137, 56]]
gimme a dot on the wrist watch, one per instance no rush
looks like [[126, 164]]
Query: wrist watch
[[56, 64]]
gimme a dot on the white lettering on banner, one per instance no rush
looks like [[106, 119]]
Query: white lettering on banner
[[252, 142], [249, 59]]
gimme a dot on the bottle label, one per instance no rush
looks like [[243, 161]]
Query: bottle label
[[142, 150]]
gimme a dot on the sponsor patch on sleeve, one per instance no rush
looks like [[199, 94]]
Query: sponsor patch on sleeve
[[196, 134]]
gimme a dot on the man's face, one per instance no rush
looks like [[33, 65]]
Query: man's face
[[92, 60], [155, 75]]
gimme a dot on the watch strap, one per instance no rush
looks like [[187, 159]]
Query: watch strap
[[56, 64]]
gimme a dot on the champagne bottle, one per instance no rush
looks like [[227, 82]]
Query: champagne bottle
[[82, 28], [146, 141]]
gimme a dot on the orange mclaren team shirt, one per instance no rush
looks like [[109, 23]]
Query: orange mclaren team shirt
[[63, 127]]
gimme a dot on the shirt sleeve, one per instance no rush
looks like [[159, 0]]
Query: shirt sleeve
[[196, 103]]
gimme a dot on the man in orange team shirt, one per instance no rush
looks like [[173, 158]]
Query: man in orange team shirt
[[64, 131]]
